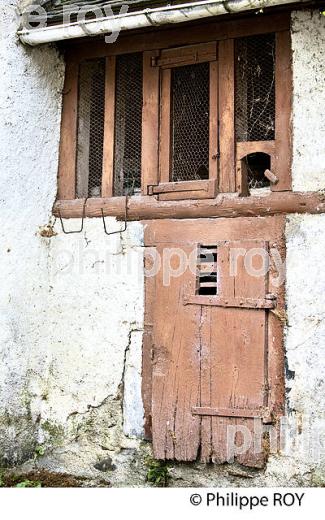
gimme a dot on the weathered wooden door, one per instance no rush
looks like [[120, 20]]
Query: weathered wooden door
[[214, 339]]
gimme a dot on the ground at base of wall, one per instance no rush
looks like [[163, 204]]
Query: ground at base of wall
[[135, 467], [46, 479]]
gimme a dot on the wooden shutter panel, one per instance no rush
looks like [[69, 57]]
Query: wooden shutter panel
[[233, 359], [176, 368], [210, 356], [164, 187]]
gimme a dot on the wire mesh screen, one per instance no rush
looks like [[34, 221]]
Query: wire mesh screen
[[255, 88], [190, 122], [90, 137], [128, 124]]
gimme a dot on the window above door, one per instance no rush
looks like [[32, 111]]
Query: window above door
[[178, 114], [187, 120]]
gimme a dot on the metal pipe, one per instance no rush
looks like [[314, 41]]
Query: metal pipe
[[145, 18]]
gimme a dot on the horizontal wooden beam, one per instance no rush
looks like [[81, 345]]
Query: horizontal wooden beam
[[187, 55], [224, 205], [180, 186], [237, 303], [262, 413], [226, 412], [248, 147], [164, 37]]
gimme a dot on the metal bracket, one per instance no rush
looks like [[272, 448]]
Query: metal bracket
[[82, 221], [125, 220]]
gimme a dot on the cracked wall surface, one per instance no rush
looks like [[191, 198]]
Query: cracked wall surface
[[69, 303], [95, 314], [30, 104], [71, 306], [305, 275]]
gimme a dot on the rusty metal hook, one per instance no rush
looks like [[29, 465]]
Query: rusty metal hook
[[82, 221], [130, 191], [125, 220]]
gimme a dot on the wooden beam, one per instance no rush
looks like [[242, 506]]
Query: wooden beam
[[180, 186], [165, 128], [162, 38], [109, 128], [68, 141], [213, 121], [187, 55], [283, 101], [227, 176], [235, 302], [263, 414], [248, 147], [224, 205], [150, 122]]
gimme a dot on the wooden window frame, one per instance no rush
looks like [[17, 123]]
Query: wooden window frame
[[278, 149], [158, 48], [166, 61]]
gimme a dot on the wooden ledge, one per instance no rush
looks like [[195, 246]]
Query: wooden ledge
[[227, 205]]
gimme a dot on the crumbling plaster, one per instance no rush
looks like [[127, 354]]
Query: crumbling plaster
[[305, 244], [305, 336], [30, 101], [71, 306]]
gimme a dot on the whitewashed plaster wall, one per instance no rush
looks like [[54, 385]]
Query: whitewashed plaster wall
[[308, 122], [30, 101], [305, 242], [71, 306]]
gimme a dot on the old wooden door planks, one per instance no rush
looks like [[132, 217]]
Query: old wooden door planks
[[176, 366], [215, 358]]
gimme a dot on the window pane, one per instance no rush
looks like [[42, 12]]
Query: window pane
[[190, 122], [255, 88], [128, 124], [90, 128]]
